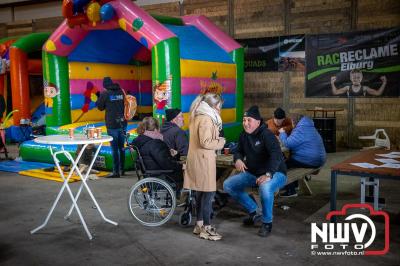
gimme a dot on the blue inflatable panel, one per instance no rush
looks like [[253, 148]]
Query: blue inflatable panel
[[106, 46], [18, 166], [18, 133], [195, 45], [38, 113]]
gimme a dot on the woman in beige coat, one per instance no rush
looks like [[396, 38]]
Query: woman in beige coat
[[200, 174]]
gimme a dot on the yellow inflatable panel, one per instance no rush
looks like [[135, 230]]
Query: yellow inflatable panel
[[145, 109], [55, 176], [91, 115], [204, 69], [228, 115], [86, 70]]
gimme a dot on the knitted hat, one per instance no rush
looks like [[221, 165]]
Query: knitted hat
[[279, 113], [107, 82], [170, 114], [253, 112]]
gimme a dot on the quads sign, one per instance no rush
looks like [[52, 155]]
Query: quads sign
[[336, 238]]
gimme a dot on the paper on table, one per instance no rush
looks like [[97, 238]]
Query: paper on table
[[388, 155], [387, 160], [390, 165], [365, 165]]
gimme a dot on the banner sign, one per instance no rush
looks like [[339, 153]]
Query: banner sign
[[283, 53], [356, 64]]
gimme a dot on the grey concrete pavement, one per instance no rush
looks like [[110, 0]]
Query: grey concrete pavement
[[25, 201]]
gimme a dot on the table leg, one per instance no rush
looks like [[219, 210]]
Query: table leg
[[84, 184], [370, 188], [362, 185], [51, 209], [376, 194], [333, 193], [64, 186]]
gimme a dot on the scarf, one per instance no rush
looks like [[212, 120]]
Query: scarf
[[153, 135], [205, 109]]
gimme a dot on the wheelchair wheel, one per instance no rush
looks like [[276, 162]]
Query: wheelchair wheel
[[185, 218], [152, 201]]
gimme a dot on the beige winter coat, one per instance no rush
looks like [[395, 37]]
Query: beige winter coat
[[204, 140]]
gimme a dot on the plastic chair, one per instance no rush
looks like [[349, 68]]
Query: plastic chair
[[379, 142]]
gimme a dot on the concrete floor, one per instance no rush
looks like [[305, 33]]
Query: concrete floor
[[25, 201]]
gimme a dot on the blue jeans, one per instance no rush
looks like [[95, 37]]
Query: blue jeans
[[117, 146], [235, 186]]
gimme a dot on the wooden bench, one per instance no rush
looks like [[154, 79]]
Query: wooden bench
[[302, 175]]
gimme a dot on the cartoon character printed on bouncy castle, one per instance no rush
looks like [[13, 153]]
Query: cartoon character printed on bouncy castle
[[91, 94], [5, 56], [50, 91], [212, 86], [162, 98]]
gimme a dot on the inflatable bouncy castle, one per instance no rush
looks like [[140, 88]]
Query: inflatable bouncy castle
[[165, 62], [21, 82]]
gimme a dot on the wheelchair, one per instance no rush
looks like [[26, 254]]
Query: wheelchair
[[152, 200]]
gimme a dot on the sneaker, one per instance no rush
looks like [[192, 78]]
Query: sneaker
[[265, 229], [113, 176], [82, 168], [209, 233], [93, 177], [252, 219], [288, 194], [197, 230], [94, 171]]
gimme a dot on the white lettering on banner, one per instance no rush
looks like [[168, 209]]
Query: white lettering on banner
[[373, 53], [357, 65]]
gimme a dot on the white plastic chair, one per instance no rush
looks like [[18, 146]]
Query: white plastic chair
[[379, 142]]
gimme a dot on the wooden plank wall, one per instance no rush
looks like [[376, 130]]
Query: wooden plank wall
[[267, 18], [216, 11], [20, 28]]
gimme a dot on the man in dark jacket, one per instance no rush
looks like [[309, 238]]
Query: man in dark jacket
[[112, 100], [174, 136], [260, 160]]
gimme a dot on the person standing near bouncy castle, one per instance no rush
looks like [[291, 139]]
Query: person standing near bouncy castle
[[200, 174], [112, 101]]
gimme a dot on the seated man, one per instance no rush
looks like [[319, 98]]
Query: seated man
[[306, 148], [261, 162], [154, 151], [174, 136], [279, 121]]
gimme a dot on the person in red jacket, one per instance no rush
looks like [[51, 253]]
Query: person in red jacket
[[280, 121]]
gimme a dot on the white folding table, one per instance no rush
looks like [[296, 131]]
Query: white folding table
[[76, 140]]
